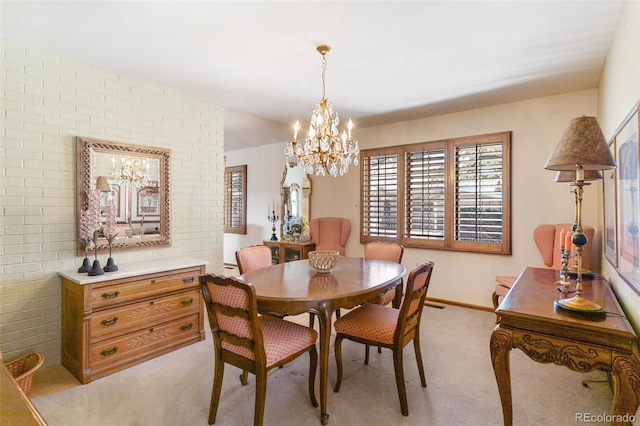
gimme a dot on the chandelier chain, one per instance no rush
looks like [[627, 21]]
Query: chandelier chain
[[324, 69]]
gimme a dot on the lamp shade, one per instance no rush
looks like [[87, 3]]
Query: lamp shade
[[570, 175], [102, 184], [581, 144]]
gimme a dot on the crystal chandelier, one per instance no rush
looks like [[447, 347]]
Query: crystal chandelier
[[132, 171], [324, 151]]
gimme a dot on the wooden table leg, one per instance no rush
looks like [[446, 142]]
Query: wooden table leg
[[324, 318], [501, 344], [625, 373]]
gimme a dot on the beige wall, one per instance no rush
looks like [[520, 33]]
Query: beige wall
[[46, 102], [619, 92]]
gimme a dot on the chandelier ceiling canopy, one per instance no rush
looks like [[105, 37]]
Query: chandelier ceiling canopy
[[324, 150]]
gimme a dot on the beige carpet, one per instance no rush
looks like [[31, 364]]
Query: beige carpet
[[175, 389]]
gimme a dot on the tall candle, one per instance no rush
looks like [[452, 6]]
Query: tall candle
[[567, 243], [562, 236]]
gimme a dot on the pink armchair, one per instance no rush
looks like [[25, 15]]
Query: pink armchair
[[330, 233]]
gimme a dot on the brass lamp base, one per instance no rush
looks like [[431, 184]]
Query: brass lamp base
[[580, 305]]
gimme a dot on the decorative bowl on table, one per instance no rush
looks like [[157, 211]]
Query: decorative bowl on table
[[323, 261]]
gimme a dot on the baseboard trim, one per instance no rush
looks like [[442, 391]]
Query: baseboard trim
[[463, 305]]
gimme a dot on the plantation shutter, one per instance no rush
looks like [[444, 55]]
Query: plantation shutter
[[380, 195], [425, 194], [478, 193]]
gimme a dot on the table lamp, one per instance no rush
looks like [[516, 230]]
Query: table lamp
[[570, 176], [581, 148]]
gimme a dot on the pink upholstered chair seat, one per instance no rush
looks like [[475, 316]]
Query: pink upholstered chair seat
[[371, 322], [281, 339]]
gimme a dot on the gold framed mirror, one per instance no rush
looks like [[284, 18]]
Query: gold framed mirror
[[295, 195], [137, 179]]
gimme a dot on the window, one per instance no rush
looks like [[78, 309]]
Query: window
[[235, 199], [452, 194]]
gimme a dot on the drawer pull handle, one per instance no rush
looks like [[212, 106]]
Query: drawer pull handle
[[109, 351], [186, 327], [188, 280], [109, 321], [153, 281], [111, 295], [187, 302]]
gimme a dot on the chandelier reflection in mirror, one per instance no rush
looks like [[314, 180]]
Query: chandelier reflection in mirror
[[132, 171], [323, 151]]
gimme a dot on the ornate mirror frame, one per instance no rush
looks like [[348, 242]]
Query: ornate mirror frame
[[87, 149]]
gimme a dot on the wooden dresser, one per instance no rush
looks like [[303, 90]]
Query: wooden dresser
[[119, 319], [287, 251]]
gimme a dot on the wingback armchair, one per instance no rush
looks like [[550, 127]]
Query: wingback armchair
[[330, 233]]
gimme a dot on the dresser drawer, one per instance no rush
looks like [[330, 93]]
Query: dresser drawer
[[129, 347], [136, 315], [141, 287]]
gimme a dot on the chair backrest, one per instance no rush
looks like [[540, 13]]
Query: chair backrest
[[547, 239], [233, 316], [413, 302], [382, 250], [330, 233], [252, 258]]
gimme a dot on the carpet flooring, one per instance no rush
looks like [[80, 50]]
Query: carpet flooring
[[175, 389]]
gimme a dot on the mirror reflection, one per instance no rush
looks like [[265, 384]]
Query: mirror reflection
[[295, 193], [136, 179]]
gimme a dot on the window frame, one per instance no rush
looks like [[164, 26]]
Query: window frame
[[448, 242], [231, 203]]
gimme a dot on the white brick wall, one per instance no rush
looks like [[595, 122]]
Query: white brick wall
[[46, 101]]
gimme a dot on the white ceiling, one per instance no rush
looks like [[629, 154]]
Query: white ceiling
[[390, 60]]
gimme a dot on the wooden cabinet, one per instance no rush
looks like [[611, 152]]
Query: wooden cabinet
[[119, 319], [287, 251]]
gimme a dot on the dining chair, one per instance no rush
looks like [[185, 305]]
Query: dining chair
[[256, 257], [392, 252], [253, 257], [372, 324], [252, 342]]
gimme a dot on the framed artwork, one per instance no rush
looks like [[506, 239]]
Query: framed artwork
[[147, 202], [610, 211], [628, 200]]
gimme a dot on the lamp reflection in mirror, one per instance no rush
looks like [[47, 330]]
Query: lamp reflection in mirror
[[581, 148]]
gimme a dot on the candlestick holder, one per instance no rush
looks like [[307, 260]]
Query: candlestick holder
[[273, 219], [564, 282]]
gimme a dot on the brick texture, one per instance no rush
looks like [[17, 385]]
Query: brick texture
[[45, 102]]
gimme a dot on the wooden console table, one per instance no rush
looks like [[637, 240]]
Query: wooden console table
[[527, 320], [287, 251], [145, 309]]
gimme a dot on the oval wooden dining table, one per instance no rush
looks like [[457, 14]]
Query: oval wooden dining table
[[294, 288]]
